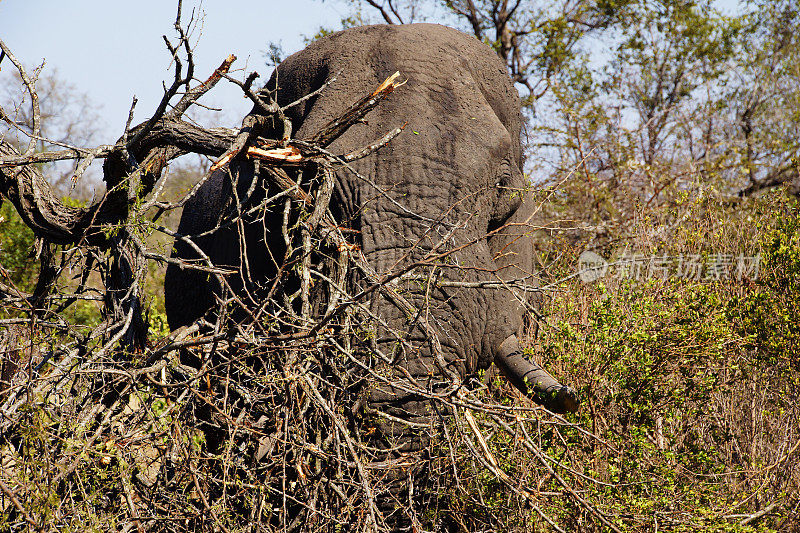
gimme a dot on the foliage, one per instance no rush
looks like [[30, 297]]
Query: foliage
[[20, 267], [766, 317], [688, 384], [689, 421]]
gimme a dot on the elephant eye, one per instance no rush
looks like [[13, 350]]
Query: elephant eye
[[504, 174]]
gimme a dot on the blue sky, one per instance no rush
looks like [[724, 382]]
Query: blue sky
[[113, 50]]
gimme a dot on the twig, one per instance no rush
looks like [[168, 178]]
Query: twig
[[194, 94], [346, 436], [313, 93], [755, 516], [13, 497], [374, 147]]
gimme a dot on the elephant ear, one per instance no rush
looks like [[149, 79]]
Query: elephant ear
[[190, 293]]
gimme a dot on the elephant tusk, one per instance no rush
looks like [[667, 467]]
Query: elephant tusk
[[533, 380]]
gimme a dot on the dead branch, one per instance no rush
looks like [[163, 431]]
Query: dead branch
[[355, 113]]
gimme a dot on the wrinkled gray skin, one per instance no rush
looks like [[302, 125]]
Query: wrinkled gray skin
[[457, 162]]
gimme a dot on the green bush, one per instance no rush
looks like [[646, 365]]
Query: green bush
[[16, 250], [689, 387]]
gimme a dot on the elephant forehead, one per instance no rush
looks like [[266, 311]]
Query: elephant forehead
[[445, 139], [431, 184]]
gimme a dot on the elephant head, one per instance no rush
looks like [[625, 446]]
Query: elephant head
[[448, 193]]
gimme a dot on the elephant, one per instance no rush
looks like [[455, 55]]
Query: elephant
[[451, 186], [462, 158]]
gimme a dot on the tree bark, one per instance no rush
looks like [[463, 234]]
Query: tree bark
[[25, 186]]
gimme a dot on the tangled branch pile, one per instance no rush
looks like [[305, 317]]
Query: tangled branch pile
[[254, 415]]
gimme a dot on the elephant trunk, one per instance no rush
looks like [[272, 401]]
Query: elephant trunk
[[533, 380]]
